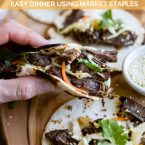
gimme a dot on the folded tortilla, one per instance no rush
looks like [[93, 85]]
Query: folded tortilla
[[79, 70]]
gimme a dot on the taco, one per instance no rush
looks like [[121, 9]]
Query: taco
[[78, 70], [89, 122], [106, 29]]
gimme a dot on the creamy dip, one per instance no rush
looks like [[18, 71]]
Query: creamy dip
[[136, 71]]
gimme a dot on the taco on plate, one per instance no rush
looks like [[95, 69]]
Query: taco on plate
[[89, 122]]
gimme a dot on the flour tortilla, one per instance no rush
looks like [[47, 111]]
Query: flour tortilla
[[29, 69], [44, 16], [62, 118], [127, 18], [71, 90]]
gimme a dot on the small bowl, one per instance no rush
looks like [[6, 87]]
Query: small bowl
[[131, 57]]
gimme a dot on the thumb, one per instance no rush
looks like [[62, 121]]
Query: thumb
[[24, 88]]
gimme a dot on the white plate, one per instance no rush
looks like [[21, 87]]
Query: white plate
[[63, 117]]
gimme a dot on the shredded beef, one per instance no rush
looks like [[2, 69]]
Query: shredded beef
[[69, 55], [76, 66], [90, 130], [55, 71], [104, 56], [73, 17], [125, 39], [38, 59], [134, 109], [61, 137], [92, 86], [96, 141], [99, 36], [102, 76]]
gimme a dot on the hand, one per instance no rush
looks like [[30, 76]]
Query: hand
[[25, 87]]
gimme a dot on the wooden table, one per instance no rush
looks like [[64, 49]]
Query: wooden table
[[23, 124]]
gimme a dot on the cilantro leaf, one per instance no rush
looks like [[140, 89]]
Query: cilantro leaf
[[92, 66], [7, 63], [108, 21], [7, 56], [113, 132], [108, 14]]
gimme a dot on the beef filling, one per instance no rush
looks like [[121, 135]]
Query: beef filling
[[90, 130], [38, 59], [61, 137], [91, 85], [100, 76], [99, 36], [104, 56], [55, 71], [134, 109], [73, 17], [97, 141], [125, 39], [94, 142], [68, 56]]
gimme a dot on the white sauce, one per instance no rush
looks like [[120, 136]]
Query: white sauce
[[136, 71]]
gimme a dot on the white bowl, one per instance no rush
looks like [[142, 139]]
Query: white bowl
[[132, 56]]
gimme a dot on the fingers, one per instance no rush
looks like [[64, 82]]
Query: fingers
[[12, 31], [24, 88]]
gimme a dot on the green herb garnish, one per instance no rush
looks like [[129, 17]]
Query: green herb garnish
[[8, 55], [113, 132], [7, 62], [90, 65], [108, 21]]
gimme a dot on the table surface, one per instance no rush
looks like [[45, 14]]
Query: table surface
[[41, 29]]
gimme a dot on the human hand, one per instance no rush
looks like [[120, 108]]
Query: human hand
[[25, 87]]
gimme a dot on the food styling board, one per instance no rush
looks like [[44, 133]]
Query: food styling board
[[23, 122]]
